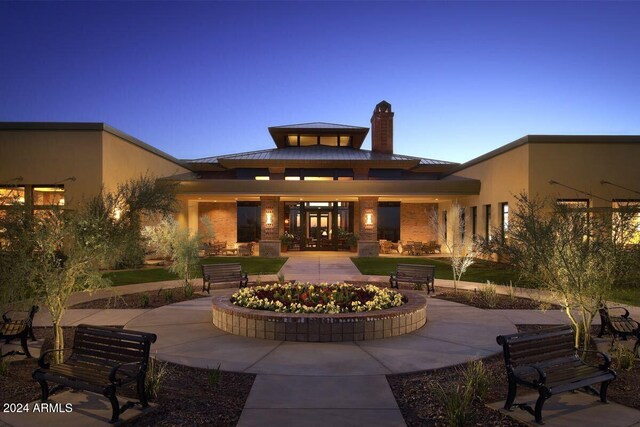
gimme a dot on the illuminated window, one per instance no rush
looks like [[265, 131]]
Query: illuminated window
[[504, 219], [48, 195], [262, 178], [306, 140], [331, 141], [318, 178], [345, 141], [625, 227], [345, 178], [292, 178], [292, 140], [11, 195]]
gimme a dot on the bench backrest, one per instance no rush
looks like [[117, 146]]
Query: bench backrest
[[547, 345], [221, 272], [415, 271], [111, 346]]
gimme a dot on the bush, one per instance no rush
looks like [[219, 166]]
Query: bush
[[489, 294], [477, 379], [188, 290], [214, 375], [156, 373], [456, 402], [625, 357], [168, 295], [145, 300]]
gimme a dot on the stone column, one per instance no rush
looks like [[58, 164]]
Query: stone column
[[269, 226], [368, 226]]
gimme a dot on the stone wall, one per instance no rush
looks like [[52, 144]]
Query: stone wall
[[414, 222], [224, 217]]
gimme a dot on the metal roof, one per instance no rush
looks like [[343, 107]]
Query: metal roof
[[319, 125], [318, 153]]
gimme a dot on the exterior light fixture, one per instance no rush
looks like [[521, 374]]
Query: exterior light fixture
[[368, 219], [269, 218]]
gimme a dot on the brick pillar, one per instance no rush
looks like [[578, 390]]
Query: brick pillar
[[269, 226], [368, 226]]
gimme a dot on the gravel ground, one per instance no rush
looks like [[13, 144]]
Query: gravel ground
[[501, 302], [153, 299]]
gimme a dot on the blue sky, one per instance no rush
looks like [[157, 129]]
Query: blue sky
[[200, 79]]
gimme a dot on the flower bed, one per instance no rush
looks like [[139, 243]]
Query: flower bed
[[323, 298]]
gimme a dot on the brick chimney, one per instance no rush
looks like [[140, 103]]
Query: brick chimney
[[382, 128]]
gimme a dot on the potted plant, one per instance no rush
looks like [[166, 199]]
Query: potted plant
[[285, 240], [352, 241]]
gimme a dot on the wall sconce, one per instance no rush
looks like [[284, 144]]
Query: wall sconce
[[269, 218], [368, 219]]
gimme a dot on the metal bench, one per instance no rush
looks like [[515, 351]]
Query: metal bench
[[222, 273], [621, 326], [414, 273], [18, 325], [547, 361], [102, 359]]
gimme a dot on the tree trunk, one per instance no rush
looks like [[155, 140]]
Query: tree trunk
[[58, 343]]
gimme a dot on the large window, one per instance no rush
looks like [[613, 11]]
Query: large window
[[445, 224], [504, 219], [463, 223], [474, 221], [625, 227], [11, 195], [487, 222], [389, 221], [327, 140], [248, 221], [48, 195]]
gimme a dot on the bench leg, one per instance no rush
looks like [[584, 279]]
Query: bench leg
[[637, 346], [110, 393], [511, 395], [539, 405], [23, 343], [603, 391], [142, 392], [45, 389]]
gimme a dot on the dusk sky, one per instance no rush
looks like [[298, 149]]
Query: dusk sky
[[200, 79]]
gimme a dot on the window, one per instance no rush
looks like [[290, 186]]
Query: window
[[48, 195], [504, 219], [474, 221], [625, 226], [248, 221], [487, 222], [326, 140], [11, 195], [389, 221], [444, 223], [463, 225], [262, 178], [306, 140]]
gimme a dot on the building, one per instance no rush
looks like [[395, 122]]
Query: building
[[318, 183]]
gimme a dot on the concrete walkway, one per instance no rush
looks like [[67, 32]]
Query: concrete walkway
[[313, 384]]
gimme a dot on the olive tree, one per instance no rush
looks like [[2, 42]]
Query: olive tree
[[566, 250], [49, 255], [460, 249]]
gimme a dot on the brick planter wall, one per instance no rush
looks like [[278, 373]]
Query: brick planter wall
[[321, 327]]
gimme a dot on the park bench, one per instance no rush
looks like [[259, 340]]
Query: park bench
[[414, 273], [547, 361], [18, 326], [620, 326], [102, 359], [222, 273]]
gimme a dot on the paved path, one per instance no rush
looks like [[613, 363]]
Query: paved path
[[325, 383]]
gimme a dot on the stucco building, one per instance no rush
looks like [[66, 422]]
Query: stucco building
[[318, 183]]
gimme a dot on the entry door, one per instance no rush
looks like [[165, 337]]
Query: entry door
[[319, 230]]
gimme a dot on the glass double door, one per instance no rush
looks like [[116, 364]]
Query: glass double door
[[319, 232]]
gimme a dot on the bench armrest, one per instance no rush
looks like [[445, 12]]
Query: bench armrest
[[605, 356], [542, 376], [392, 275], [244, 275], [41, 360], [115, 369], [206, 278], [626, 312]]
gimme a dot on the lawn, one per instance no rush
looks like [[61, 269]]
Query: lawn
[[480, 271], [251, 265]]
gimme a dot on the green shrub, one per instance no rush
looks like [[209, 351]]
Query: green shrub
[[188, 290], [168, 295], [456, 402], [418, 286], [145, 300], [489, 294], [4, 368], [281, 278], [477, 379], [625, 357], [214, 375], [511, 291], [156, 373]]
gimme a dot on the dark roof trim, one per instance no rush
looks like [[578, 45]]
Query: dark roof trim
[[88, 126], [549, 139]]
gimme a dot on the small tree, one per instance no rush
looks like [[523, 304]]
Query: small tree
[[460, 250], [567, 251], [169, 239]]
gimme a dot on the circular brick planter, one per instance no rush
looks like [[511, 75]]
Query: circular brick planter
[[370, 325]]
